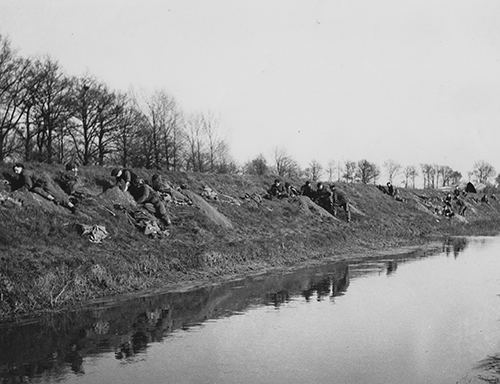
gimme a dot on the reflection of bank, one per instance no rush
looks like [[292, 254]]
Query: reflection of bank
[[57, 345]]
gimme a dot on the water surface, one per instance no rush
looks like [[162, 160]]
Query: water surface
[[410, 318]]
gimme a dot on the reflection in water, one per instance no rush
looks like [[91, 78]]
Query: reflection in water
[[55, 343], [392, 266], [455, 244], [56, 346], [330, 286]]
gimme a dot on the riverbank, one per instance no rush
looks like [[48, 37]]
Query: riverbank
[[48, 265]]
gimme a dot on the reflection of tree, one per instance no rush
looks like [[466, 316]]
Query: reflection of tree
[[392, 266], [57, 343], [457, 244], [322, 289], [75, 360], [328, 286], [279, 298]]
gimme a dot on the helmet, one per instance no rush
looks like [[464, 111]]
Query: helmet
[[114, 172]]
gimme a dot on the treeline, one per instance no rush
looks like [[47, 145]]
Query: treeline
[[48, 116], [364, 171]]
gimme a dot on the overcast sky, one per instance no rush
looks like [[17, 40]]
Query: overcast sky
[[414, 81]]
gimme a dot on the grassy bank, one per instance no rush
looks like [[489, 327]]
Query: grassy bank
[[47, 264]]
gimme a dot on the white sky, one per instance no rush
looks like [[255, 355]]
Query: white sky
[[412, 80]]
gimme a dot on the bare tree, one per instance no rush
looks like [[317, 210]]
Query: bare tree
[[367, 172], [164, 120], [455, 177], [285, 165], [95, 111], [257, 166], [410, 172], [127, 126], [332, 166], [446, 173], [217, 149], [196, 151], [483, 171], [427, 174], [349, 171], [392, 169], [51, 105], [314, 171], [14, 82]]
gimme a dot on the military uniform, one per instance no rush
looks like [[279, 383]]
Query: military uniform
[[290, 190], [340, 200], [42, 185], [324, 199], [70, 183], [306, 190], [144, 194], [277, 190], [126, 181]]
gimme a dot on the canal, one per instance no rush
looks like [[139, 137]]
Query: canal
[[404, 318]]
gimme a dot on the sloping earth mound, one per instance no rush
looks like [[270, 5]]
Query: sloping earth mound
[[308, 207], [208, 211], [115, 196], [45, 263]]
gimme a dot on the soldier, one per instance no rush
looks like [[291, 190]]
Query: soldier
[[461, 206], [324, 198], [340, 200], [70, 181], [456, 192], [160, 185], [290, 190], [390, 189], [447, 200], [124, 178], [277, 190], [306, 190], [144, 194], [42, 186]]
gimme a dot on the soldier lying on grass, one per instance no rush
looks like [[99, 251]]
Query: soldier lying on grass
[[41, 184]]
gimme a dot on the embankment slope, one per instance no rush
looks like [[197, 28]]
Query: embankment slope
[[47, 264]]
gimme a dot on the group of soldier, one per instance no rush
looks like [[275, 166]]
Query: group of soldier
[[67, 190], [64, 190], [327, 197], [144, 193]]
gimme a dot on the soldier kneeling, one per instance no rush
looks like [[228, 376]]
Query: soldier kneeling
[[144, 194]]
